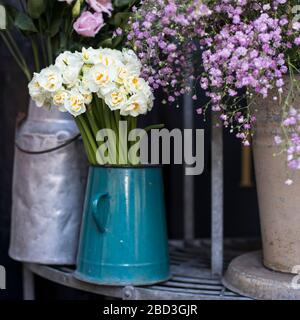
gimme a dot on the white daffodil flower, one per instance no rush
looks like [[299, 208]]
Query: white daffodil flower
[[87, 95], [70, 65], [116, 99], [75, 103], [70, 75], [137, 104], [136, 84], [68, 59], [89, 56], [38, 94], [131, 61], [109, 57], [100, 78], [122, 74], [133, 84], [50, 79], [34, 87], [42, 100], [59, 99]]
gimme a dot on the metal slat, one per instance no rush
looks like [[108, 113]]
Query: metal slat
[[193, 285], [194, 291], [28, 284], [217, 199], [195, 280], [188, 190]]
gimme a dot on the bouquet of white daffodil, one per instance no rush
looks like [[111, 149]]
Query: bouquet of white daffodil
[[100, 88]]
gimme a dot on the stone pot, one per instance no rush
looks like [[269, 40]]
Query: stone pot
[[279, 204]]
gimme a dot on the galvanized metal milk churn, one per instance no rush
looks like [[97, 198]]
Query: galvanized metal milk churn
[[50, 170]]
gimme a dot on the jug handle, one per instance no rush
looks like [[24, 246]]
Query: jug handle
[[96, 212]]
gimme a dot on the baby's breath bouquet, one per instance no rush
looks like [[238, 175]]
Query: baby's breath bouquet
[[102, 89]]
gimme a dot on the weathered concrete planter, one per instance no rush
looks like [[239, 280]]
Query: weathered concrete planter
[[279, 204], [48, 189]]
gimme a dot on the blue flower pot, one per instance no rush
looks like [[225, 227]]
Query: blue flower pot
[[123, 236]]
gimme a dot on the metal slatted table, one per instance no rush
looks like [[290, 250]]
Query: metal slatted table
[[190, 264]]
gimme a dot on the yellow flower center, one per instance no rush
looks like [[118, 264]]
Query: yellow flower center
[[75, 103], [106, 60], [86, 55], [122, 72], [36, 85], [136, 106], [59, 98], [135, 82], [101, 78], [51, 81], [117, 97]]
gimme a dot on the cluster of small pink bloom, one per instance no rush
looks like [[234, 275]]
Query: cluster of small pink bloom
[[162, 33], [246, 55]]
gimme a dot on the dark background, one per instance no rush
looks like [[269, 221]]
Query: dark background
[[241, 213]]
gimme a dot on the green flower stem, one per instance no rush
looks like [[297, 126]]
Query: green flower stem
[[117, 116], [93, 125], [19, 61], [16, 48], [98, 115], [42, 43], [49, 50], [132, 124], [120, 146], [92, 122], [85, 139], [115, 128], [109, 124], [96, 110], [49, 43], [89, 137], [107, 121], [87, 129], [35, 51]]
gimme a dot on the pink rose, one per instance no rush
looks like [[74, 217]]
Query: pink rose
[[101, 5], [88, 24]]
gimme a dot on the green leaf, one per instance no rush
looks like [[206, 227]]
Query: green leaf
[[120, 18], [133, 2], [121, 3], [2, 17], [36, 7], [116, 41], [55, 26], [24, 22], [154, 126], [107, 43], [56, 20], [11, 13]]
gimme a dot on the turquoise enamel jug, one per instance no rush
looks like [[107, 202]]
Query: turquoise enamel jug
[[123, 236]]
